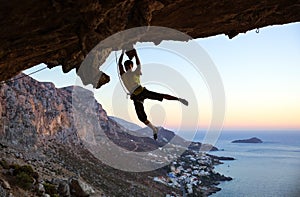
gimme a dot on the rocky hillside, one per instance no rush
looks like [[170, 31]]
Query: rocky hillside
[[44, 141]]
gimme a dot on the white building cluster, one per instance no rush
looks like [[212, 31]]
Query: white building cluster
[[188, 172]]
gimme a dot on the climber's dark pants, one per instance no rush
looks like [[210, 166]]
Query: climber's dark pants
[[139, 99]]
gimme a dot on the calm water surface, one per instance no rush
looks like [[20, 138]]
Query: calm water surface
[[260, 170]]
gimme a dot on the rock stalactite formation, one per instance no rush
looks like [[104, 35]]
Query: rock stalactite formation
[[59, 32]]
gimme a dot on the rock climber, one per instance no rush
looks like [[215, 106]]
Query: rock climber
[[131, 80]]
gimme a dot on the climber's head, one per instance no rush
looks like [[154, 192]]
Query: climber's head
[[128, 64]]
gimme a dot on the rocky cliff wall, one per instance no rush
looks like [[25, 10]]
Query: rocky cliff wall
[[32, 112]]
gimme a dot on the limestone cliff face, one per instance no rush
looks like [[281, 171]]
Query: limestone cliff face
[[63, 32], [32, 112]]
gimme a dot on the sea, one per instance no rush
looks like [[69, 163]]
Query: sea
[[268, 169]]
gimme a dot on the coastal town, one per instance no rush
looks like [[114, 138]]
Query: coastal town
[[193, 174]]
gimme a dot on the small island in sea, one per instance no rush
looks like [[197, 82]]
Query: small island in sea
[[250, 140]]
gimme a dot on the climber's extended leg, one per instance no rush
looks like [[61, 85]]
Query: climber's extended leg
[[158, 96]]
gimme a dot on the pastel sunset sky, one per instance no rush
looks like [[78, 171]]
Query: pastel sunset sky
[[260, 73]]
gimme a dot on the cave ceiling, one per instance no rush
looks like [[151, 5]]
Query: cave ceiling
[[62, 32]]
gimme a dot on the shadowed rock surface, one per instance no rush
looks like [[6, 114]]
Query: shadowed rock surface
[[63, 32]]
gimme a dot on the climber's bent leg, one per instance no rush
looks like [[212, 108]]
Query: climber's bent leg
[[139, 109]]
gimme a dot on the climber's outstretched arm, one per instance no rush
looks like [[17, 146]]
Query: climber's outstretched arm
[[121, 68]]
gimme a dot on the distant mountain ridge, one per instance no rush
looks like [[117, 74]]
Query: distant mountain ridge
[[127, 125]]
